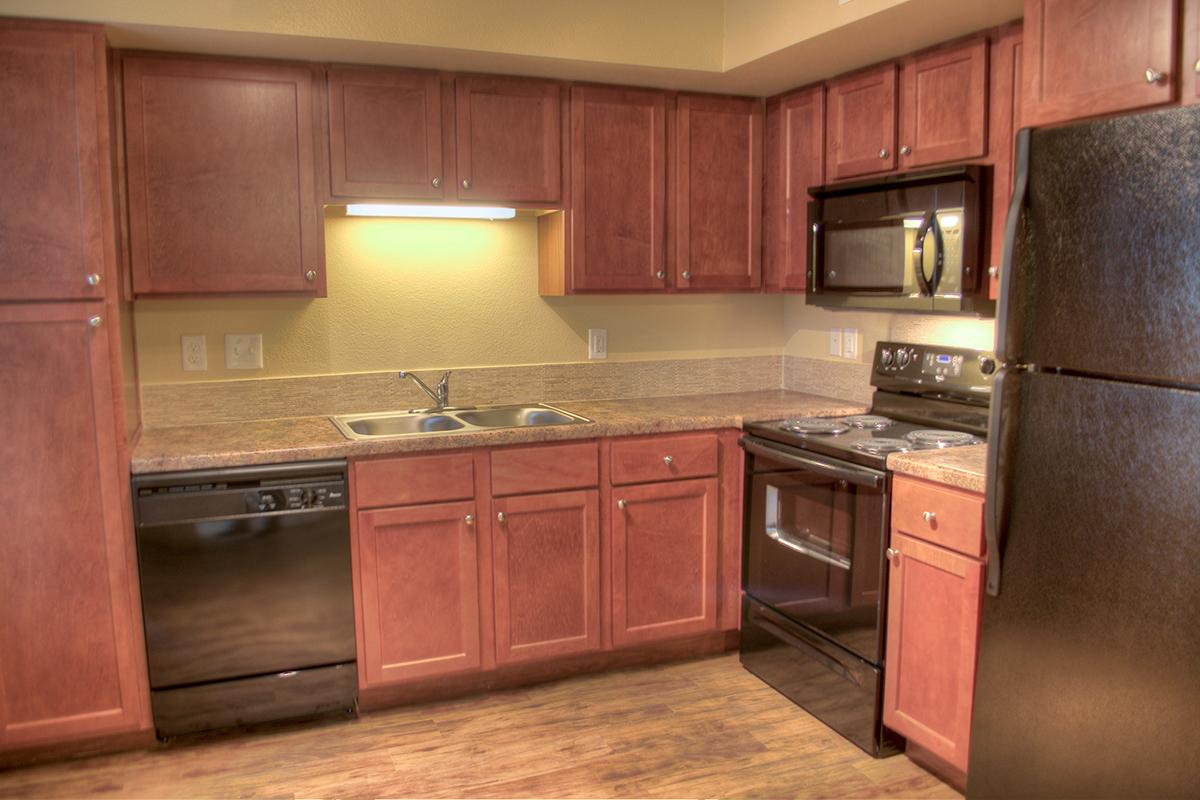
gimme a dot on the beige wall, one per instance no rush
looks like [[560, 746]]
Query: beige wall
[[412, 294]]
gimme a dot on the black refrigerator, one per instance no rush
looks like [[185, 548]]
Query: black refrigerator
[[1088, 681]]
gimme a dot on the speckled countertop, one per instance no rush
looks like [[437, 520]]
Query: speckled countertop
[[309, 438], [963, 467]]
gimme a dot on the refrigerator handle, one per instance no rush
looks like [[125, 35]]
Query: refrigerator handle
[[994, 500], [918, 253], [1007, 254]]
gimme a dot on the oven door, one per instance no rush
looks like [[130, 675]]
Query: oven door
[[815, 535]]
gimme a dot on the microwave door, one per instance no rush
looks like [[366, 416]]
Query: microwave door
[[870, 263]]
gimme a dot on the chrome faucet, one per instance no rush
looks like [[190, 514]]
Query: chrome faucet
[[439, 395]]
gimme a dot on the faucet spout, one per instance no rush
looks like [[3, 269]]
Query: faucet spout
[[440, 395]]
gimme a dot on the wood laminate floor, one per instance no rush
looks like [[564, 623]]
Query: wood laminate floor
[[696, 729]]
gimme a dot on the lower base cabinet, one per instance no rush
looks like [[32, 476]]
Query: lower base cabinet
[[664, 556]]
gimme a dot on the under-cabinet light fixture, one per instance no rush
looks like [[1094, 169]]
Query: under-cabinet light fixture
[[439, 212]]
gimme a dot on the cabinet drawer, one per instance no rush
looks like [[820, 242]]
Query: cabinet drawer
[[414, 479], [939, 514], [545, 468], [662, 458]]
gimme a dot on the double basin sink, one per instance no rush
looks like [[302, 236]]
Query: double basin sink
[[390, 424]]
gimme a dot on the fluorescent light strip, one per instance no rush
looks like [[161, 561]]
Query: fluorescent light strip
[[439, 212]]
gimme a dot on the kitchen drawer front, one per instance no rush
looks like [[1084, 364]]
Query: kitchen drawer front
[[545, 468], [414, 479], [939, 514], [664, 458]]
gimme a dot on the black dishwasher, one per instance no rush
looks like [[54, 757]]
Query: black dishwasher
[[246, 594]]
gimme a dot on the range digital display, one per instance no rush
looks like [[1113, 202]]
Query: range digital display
[[942, 364]]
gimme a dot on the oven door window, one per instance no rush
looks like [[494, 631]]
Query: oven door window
[[815, 554]]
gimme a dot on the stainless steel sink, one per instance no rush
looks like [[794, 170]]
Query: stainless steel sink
[[392, 424]]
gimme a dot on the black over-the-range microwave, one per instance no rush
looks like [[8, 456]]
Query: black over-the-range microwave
[[911, 242]]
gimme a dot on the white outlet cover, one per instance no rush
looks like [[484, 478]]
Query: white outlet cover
[[835, 342], [243, 351], [194, 350], [597, 343], [850, 343]]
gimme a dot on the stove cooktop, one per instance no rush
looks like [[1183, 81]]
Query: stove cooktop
[[865, 439]]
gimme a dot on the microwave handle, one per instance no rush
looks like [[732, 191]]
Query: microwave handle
[[918, 254], [939, 257]]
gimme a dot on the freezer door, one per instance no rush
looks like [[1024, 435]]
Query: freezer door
[[1087, 682], [1101, 269]]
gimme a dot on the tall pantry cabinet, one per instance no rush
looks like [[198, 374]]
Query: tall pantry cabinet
[[71, 653]]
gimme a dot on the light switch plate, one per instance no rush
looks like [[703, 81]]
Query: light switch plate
[[835, 342], [243, 351], [195, 353], [850, 343], [597, 343]]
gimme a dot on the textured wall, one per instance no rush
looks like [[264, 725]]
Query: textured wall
[[412, 294]]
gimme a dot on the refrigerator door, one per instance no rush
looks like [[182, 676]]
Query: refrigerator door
[[1102, 257], [1087, 682]]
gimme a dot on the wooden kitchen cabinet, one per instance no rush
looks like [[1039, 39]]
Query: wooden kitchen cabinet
[[419, 582], [1004, 120], [795, 160], [1189, 57], [546, 556], [943, 109], [221, 162], [72, 662], [718, 219], [509, 139], [860, 125], [1084, 58], [664, 554], [618, 189], [54, 213], [386, 134]]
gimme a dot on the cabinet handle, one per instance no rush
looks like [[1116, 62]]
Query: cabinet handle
[[687, 275], [884, 152], [1154, 76], [620, 504], [668, 460], [893, 555], [437, 183], [469, 519], [660, 274], [905, 150], [466, 184], [310, 276], [928, 516], [94, 321], [93, 279], [500, 517]]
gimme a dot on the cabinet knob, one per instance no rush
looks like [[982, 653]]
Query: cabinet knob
[[928, 516], [469, 519], [1196, 67], [904, 150], [668, 460], [95, 321], [687, 275], [993, 271], [892, 554], [93, 279], [466, 184], [620, 504], [1154, 76], [500, 517], [310, 276], [884, 152], [660, 274], [437, 182]]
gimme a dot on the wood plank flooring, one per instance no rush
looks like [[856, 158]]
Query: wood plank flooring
[[703, 728]]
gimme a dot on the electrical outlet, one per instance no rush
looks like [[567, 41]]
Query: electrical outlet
[[835, 342], [850, 343], [243, 351], [195, 353], [597, 343]]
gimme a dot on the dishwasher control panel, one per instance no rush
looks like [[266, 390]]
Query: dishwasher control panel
[[296, 498]]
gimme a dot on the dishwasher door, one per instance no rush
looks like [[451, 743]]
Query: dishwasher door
[[244, 572]]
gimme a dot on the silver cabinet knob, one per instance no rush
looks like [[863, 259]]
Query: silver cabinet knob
[[94, 321], [668, 460], [687, 275], [93, 279], [660, 274], [466, 184], [1196, 67], [993, 271], [905, 150], [500, 517], [928, 516], [469, 519], [884, 152], [1153, 75], [310, 276], [892, 554], [620, 504], [437, 182]]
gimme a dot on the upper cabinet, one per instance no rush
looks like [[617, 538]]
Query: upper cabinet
[[860, 129], [509, 133], [1084, 58], [795, 160], [718, 229], [221, 159], [943, 110], [386, 134], [1189, 59], [53, 152]]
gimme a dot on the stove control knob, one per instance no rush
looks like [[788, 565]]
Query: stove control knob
[[885, 357], [902, 358], [987, 365]]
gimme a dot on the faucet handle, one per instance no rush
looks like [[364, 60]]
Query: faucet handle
[[445, 376]]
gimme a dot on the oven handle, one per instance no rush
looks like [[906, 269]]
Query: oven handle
[[856, 475], [800, 547]]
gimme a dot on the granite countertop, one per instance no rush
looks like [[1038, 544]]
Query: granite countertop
[[273, 441], [963, 467]]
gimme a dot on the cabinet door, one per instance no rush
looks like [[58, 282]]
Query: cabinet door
[[1089, 57], [71, 653], [618, 189], [795, 161], [385, 134], [547, 575], [861, 123], [221, 176], [53, 154], [664, 552], [944, 111], [932, 642], [719, 220], [1004, 120], [420, 591], [1189, 60], [509, 133]]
